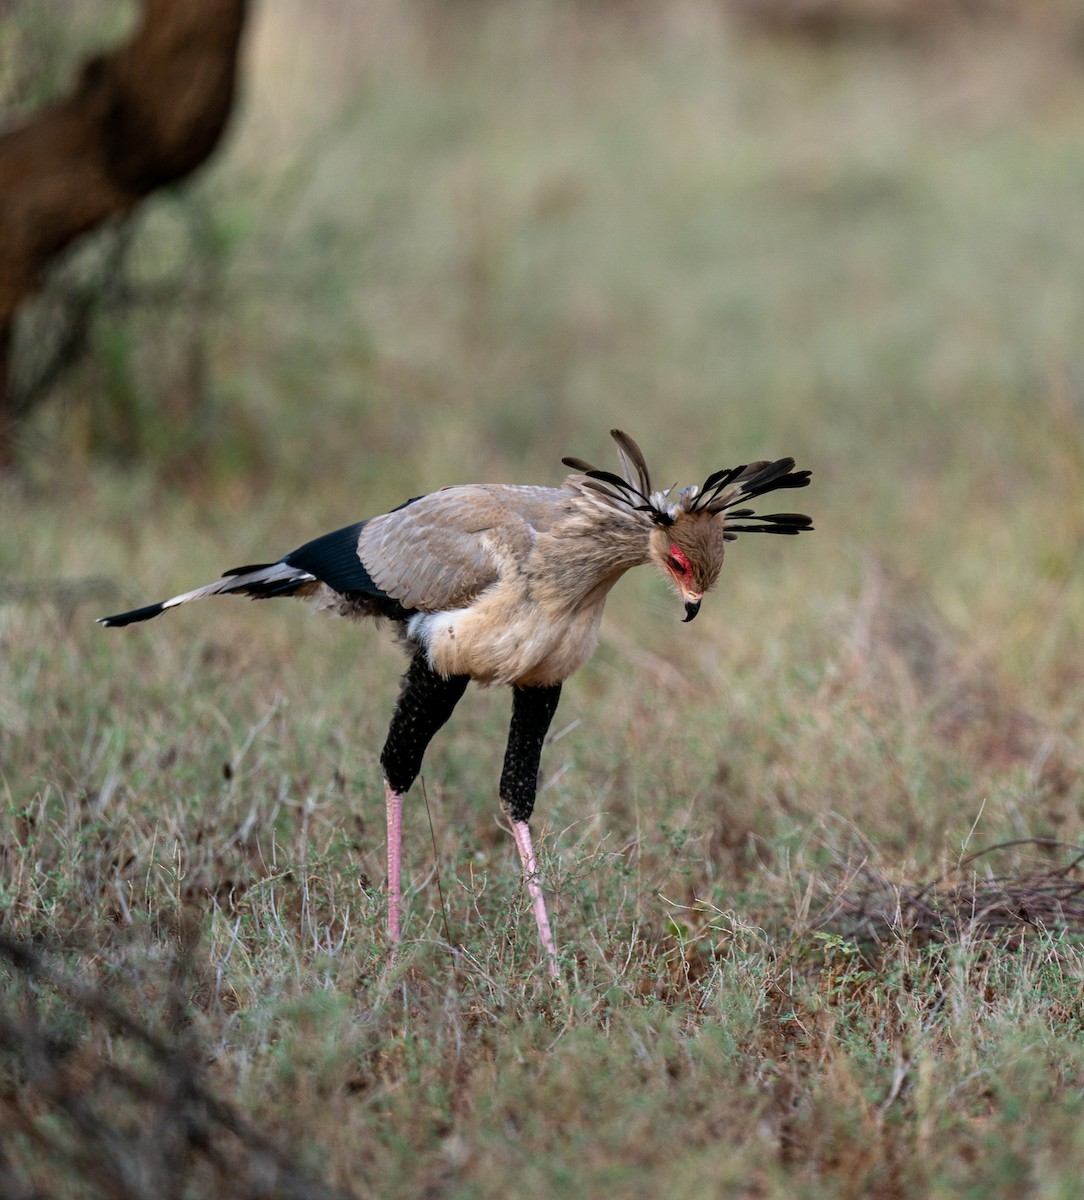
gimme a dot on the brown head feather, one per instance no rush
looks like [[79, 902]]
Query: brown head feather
[[700, 537]]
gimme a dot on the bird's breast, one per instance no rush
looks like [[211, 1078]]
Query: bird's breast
[[501, 639]]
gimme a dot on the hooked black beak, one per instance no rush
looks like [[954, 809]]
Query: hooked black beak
[[692, 607]]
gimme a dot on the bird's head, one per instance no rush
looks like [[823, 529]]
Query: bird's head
[[689, 528], [689, 553]]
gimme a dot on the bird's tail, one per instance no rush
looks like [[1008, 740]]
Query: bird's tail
[[260, 582]]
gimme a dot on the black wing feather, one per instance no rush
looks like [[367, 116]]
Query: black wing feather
[[333, 559]]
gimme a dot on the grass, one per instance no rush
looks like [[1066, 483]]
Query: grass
[[443, 249]]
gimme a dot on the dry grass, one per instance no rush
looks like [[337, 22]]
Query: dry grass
[[1008, 909], [440, 249]]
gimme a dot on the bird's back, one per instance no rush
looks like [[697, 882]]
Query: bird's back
[[443, 550]]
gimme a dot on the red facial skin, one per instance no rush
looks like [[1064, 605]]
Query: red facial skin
[[682, 570], [679, 563]]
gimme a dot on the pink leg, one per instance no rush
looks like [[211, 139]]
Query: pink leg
[[394, 802], [522, 834]]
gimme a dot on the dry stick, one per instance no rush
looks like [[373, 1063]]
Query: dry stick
[[1052, 843], [1027, 841], [292, 1182], [998, 902], [440, 890]]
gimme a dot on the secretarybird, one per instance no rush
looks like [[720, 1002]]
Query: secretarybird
[[505, 584]]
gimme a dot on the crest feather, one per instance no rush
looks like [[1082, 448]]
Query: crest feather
[[718, 494], [632, 461]]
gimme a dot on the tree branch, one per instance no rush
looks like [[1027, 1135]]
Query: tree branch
[[137, 119]]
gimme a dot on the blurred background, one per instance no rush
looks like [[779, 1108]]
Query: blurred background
[[456, 237]]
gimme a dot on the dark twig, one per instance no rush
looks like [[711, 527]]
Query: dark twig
[[126, 1126], [871, 907]]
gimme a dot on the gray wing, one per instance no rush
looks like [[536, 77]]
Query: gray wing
[[445, 549]]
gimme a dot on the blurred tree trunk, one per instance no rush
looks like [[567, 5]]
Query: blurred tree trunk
[[137, 119]]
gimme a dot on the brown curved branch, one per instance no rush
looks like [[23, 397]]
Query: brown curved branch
[[137, 119]]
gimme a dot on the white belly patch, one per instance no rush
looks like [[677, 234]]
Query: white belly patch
[[531, 650]]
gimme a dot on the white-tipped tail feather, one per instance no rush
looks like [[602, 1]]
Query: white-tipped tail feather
[[274, 579]]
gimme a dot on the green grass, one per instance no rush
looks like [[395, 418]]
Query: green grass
[[447, 247]]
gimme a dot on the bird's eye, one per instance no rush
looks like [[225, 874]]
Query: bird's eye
[[677, 561]]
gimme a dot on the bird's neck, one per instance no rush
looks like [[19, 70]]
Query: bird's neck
[[590, 553]]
